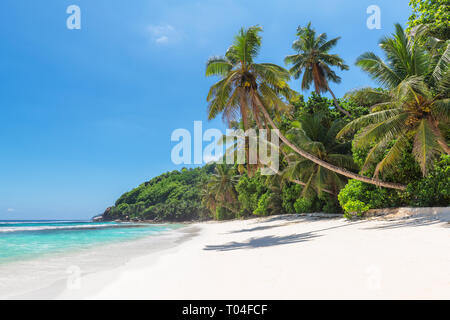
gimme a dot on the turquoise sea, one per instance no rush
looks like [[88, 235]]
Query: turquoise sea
[[21, 240]]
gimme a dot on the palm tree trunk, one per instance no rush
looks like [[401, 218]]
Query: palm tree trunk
[[336, 104], [327, 165], [244, 108]]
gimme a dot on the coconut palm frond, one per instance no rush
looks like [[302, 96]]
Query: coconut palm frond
[[368, 119], [386, 165], [425, 145]]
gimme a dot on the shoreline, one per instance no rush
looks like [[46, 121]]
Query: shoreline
[[56, 270], [289, 257]]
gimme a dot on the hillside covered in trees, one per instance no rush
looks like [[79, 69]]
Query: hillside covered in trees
[[172, 196]]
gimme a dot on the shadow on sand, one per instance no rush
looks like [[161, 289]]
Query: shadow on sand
[[256, 229], [296, 219], [261, 242], [268, 241], [287, 219], [410, 222]]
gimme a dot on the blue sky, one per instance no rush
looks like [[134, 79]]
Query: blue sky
[[87, 114]]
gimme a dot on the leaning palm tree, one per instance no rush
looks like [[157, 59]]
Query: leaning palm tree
[[318, 138], [245, 83], [313, 60], [249, 89], [415, 109]]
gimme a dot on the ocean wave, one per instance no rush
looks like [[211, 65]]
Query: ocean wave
[[42, 222], [77, 227]]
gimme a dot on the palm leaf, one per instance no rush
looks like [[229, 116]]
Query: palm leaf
[[425, 145], [368, 119], [394, 154], [218, 66], [392, 127]]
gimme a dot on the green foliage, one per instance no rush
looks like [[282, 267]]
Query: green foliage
[[224, 214], [258, 196], [304, 205], [318, 104], [435, 13], [357, 207], [406, 168], [317, 135], [289, 194], [434, 189], [370, 195], [330, 204], [250, 190], [355, 108], [263, 205]]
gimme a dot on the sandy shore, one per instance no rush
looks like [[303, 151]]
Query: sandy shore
[[289, 257]]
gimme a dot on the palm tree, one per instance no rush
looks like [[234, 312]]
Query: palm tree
[[222, 185], [412, 114], [244, 82], [313, 135], [313, 60], [208, 197], [412, 110], [405, 58], [250, 89]]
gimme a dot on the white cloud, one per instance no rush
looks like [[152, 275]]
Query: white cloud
[[164, 34], [162, 40], [10, 210]]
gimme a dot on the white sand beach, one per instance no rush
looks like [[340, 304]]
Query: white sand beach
[[289, 257]]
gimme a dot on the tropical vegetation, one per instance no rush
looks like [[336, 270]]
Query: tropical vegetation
[[378, 147]]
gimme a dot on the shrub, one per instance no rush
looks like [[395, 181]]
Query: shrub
[[289, 194], [353, 207], [224, 214], [263, 205], [331, 205], [434, 189], [250, 190], [304, 205], [370, 195]]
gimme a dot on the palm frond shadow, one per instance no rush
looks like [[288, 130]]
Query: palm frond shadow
[[267, 241], [255, 229], [410, 222], [296, 218]]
